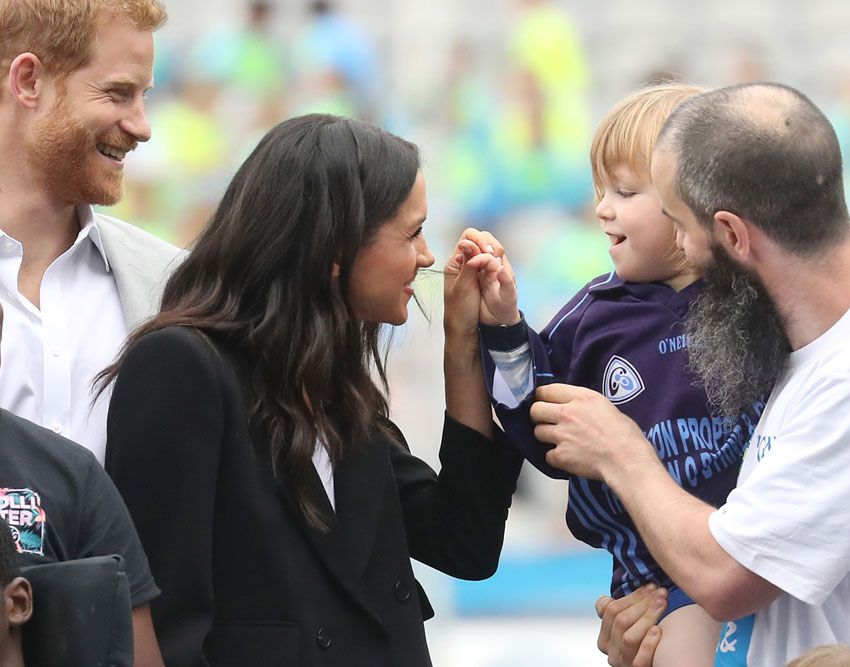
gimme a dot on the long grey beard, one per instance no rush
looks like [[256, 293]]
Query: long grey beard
[[736, 341]]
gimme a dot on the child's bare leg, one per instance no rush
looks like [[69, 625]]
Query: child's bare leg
[[688, 638]]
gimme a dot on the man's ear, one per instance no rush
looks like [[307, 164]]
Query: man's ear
[[733, 233], [26, 79], [18, 596]]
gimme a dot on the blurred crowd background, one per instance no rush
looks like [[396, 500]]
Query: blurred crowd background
[[502, 96]]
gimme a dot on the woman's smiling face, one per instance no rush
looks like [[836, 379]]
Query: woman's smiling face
[[382, 277]]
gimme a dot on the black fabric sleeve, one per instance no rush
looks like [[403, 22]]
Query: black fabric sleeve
[[164, 437], [455, 521], [550, 357], [106, 528], [504, 338]]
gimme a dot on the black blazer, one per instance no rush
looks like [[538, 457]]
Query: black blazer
[[245, 581]]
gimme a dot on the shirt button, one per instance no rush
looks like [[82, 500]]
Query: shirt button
[[57, 428], [323, 638], [56, 352]]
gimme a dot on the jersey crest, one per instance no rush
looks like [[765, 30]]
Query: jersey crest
[[621, 382]]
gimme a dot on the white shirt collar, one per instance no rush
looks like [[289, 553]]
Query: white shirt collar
[[90, 230]]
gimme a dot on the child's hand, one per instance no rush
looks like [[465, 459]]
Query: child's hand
[[498, 289], [462, 293], [479, 284]]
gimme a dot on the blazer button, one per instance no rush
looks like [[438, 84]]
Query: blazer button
[[323, 638], [402, 591]]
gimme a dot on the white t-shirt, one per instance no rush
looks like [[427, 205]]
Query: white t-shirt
[[789, 519]]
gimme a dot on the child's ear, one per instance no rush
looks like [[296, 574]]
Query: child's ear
[[335, 269], [18, 598]]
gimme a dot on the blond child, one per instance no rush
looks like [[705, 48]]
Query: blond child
[[622, 335]]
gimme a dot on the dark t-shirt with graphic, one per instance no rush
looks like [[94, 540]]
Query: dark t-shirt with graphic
[[626, 341], [61, 505]]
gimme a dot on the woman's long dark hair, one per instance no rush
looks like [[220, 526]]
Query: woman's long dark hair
[[259, 281]]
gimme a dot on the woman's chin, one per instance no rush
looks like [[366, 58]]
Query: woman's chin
[[398, 321]]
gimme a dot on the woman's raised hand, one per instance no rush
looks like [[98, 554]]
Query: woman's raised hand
[[479, 284]]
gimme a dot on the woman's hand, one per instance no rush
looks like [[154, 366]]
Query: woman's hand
[[461, 291], [466, 395], [479, 284], [498, 290]]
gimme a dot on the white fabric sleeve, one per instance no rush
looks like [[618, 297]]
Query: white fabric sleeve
[[512, 379], [787, 521]]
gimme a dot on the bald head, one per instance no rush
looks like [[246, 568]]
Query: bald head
[[766, 153]]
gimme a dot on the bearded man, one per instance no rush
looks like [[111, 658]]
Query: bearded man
[[72, 282], [751, 175]]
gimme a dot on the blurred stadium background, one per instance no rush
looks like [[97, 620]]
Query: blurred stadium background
[[502, 97]]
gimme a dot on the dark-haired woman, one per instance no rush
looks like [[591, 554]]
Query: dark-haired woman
[[277, 503]]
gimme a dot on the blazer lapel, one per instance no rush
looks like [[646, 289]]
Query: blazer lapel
[[360, 490], [141, 265], [134, 285], [332, 547]]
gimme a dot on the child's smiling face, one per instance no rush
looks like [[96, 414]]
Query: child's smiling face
[[643, 246]]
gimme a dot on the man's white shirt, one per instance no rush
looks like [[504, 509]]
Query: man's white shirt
[[49, 355], [789, 518]]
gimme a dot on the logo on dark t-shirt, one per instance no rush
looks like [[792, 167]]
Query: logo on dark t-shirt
[[621, 382], [21, 509]]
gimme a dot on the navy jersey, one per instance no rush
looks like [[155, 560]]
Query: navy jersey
[[626, 341]]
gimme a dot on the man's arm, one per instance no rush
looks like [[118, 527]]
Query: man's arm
[[594, 439], [112, 532], [108, 529], [145, 648]]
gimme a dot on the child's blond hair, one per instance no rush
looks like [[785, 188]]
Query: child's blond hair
[[834, 655], [627, 133]]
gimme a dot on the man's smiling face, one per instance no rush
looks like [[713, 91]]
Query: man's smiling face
[[77, 146]]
